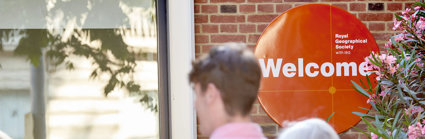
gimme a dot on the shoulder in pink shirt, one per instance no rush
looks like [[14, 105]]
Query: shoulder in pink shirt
[[238, 131]]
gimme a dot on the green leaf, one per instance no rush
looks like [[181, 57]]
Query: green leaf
[[364, 109], [360, 89], [398, 17], [358, 129], [396, 118], [420, 4], [329, 118], [368, 81], [363, 114]]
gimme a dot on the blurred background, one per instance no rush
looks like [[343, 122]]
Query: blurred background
[[86, 67]]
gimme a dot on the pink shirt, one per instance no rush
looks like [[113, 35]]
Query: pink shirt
[[238, 131]]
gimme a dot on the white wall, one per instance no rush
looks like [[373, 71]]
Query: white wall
[[15, 99]]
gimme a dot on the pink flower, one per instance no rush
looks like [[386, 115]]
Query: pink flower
[[417, 109], [423, 130], [412, 132], [396, 24], [373, 136], [417, 8], [388, 44], [382, 94], [398, 38], [392, 70], [414, 17], [420, 24], [366, 59], [407, 111], [371, 98], [406, 11], [390, 59]]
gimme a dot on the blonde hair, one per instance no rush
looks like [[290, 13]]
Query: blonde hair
[[309, 129]]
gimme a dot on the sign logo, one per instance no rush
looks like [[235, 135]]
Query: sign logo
[[308, 56]]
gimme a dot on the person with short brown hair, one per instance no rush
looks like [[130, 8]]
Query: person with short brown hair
[[226, 83]]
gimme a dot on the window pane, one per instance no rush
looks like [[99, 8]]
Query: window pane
[[100, 66]]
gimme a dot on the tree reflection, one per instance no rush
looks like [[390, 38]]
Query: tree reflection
[[113, 48]]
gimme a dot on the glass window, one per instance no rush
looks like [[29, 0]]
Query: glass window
[[100, 64]]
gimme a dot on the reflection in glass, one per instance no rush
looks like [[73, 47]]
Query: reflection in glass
[[93, 49]]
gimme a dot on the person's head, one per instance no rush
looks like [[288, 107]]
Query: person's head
[[226, 82], [309, 129]]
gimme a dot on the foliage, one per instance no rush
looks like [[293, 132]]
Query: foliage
[[399, 97], [104, 47]]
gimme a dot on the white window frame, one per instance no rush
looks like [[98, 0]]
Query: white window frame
[[181, 53]]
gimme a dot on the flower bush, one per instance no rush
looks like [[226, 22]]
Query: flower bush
[[399, 96]]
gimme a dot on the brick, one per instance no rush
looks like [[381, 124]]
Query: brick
[[394, 6], [262, 119], [201, 1], [376, 16], [197, 28], [268, 8], [261, 18], [227, 18], [280, 8], [363, 136], [349, 136], [341, 5], [300, 0], [261, 111], [261, 27], [253, 38], [210, 28], [228, 28], [201, 39], [357, 7], [269, 129], [376, 26], [390, 26], [362, 126], [254, 109], [335, 0], [209, 9], [261, 1], [197, 49], [228, 9], [376, 6], [251, 47], [227, 38], [206, 48], [374, 0], [197, 9], [408, 5], [201, 18], [247, 28], [227, 1], [246, 8], [381, 36]]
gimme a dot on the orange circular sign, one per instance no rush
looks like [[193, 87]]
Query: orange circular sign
[[308, 56]]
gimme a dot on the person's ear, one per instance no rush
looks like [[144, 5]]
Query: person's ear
[[212, 93]]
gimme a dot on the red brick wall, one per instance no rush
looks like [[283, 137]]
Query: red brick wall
[[219, 21]]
